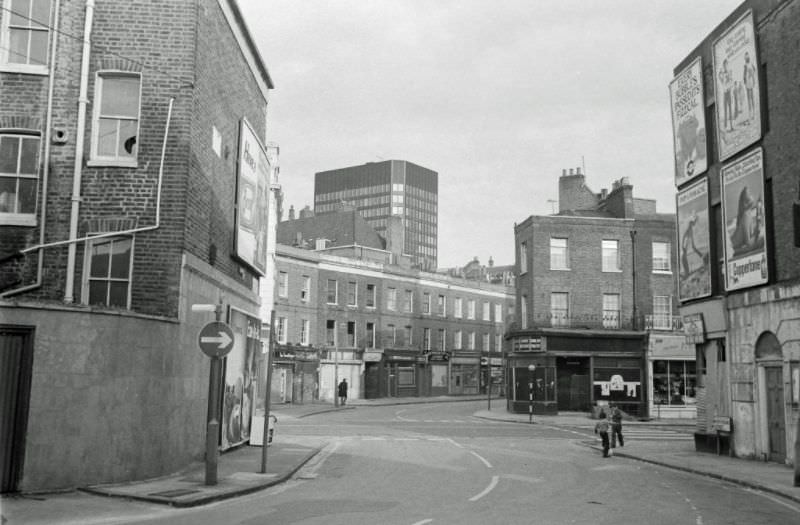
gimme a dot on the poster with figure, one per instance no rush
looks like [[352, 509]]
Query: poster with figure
[[694, 242], [736, 88], [742, 183], [689, 123], [252, 200], [238, 401]]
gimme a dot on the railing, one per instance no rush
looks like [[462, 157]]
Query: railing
[[665, 322]]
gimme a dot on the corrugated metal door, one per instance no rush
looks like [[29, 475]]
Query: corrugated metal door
[[16, 360]]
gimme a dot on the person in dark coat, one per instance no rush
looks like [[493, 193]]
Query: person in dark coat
[[616, 427], [343, 392], [602, 428]]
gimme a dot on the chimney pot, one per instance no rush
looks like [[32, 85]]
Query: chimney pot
[[564, 172], [579, 170], [570, 171]]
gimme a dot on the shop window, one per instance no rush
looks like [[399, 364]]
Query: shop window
[[24, 35], [543, 382], [19, 178], [674, 382], [406, 376], [108, 272], [115, 122]]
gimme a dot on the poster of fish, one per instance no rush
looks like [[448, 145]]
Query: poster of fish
[[694, 242], [737, 88], [689, 123]]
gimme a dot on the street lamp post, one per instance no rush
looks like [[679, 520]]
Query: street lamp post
[[531, 370]]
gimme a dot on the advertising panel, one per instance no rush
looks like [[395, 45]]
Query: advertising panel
[[736, 88], [252, 200], [742, 185], [238, 400], [694, 248], [689, 123]]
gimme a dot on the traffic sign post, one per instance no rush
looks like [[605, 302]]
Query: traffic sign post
[[215, 340]]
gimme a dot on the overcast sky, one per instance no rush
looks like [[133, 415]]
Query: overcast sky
[[496, 96]]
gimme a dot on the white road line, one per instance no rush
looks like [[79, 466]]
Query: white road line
[[488, 465], [454, 443], [423, 522], [487, 490]]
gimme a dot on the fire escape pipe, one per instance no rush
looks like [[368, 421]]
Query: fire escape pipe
[[79, 146]]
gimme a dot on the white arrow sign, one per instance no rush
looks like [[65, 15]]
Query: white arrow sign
[[222, 341]]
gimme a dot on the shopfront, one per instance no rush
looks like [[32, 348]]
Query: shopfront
[[391, 373], [465, 373], [295, 374], [672, 372]]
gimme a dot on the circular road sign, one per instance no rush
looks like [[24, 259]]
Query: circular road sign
[[216, 339]]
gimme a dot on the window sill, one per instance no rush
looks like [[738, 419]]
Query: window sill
[[662, 272], [560, 269], [619, 270], [24, 69], [17, 219], [111, 163]]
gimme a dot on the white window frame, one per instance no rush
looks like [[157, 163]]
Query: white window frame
[[498, 313], [560, 318], [426, 339], [498, 343], [391, 298], [354, 285], [441, 305], [392, 334], [609, 262], [457, 340], [471, 341], [16, 218], [5, 42], [426, 303], [662, 312], [662, 263], [523, 257], [471, 309], [283, 284], [611, 316], [283, 329], [408, 304], [556, 256], [305, 291], [305, 331], [335, 291], [87, 267], [458, 308], [487, 311], [442, 339], [523, 312], [371, 294], [370, 341], [119, 161]]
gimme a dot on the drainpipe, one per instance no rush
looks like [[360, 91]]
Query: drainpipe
[[46, 160], [79, 140], [633, 277]]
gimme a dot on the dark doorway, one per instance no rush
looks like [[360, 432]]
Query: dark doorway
[[16, 365], [573, 383], [775, 417], [372, 373]]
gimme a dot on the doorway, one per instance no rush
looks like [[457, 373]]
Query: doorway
[[573, 383], [16, 366], [776, 423]]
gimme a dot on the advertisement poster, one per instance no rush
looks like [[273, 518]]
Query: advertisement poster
[[743, 216], [736, 88], [689, 123], [252, 200], [694, 242], [238, 400]]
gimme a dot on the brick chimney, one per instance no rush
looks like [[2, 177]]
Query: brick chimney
[[573, 194]]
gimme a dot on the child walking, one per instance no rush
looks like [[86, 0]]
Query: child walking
[[602, 428]]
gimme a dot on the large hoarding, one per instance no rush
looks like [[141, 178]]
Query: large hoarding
[[742, 183], [737, 88], [694, 247], [689, 123], [238, 400], [252, 200]]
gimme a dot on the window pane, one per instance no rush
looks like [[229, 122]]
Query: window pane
[[29, 163], [98, 291], [127, 138], [107, 137], [18, 46], [23, 7], [27, 196], [38, 47], [100, 260], [8, 154], [119, 294], [8, 195], [121, 259], [40, 13], [120, 97]]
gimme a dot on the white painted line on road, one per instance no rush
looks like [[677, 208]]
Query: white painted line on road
[[454, 443], [487, 490], [488, 465], [423, 522], [309, 471], [406, 439]]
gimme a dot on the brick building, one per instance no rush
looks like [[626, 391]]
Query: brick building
[[594, 286], [382, 190], [739, 224], [125, 131], [365, 313]]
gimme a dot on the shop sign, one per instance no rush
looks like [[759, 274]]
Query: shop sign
[[372, 357], [401, 357], [496, 361], [528, 344], [694, 329], [439, 356]]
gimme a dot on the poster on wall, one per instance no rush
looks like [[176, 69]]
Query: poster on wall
[[689, 123], [736, 88], [238, 400], [694, 246], [252, 200], [742, 185]]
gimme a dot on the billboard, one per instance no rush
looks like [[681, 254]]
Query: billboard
[[742, 184], [736, 88], [694, 242], [689, 123], [252, 200], [238, 400]]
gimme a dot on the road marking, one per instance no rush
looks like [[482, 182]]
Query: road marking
[[454, 443], [309, 471], [423, 522], [487, 490], [488, 465]]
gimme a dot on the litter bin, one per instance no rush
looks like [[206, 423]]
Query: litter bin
[[271, 429]]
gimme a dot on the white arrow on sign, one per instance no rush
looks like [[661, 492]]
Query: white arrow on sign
[[223, 340]]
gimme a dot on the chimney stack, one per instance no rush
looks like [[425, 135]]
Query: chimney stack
[[291, 213]]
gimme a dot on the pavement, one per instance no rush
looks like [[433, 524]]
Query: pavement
[[239, 469]]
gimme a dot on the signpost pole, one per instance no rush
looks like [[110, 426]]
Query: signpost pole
[[212, 427], [268, 367], [489, 382], [531, 369]]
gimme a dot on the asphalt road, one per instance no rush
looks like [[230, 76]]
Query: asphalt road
[[420, 464]]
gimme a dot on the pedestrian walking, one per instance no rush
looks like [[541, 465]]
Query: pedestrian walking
[[602, 428], [343, 392], [616, 427]]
